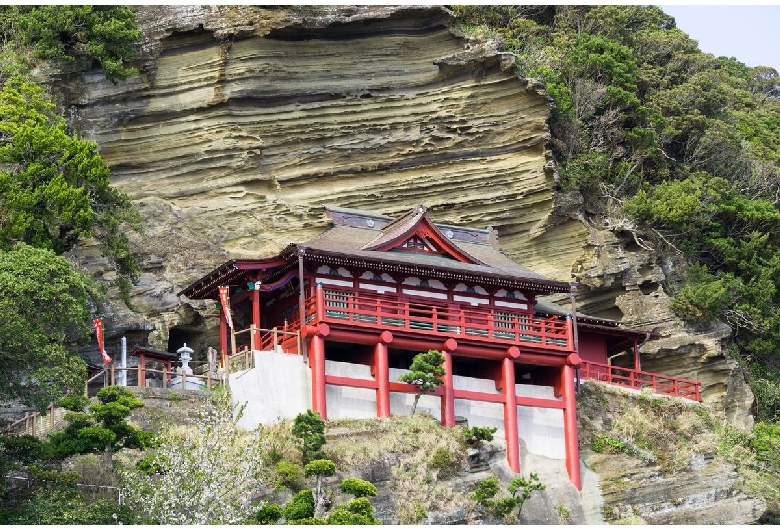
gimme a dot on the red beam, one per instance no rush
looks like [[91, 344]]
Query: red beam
[[411, 389], [350, 381]]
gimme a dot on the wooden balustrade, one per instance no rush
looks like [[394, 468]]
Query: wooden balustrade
[[36, 424], [626, 377], [425, 317]]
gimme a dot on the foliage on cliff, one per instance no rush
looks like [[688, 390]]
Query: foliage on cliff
[[668, 434], [54, 187], [54, 191], [670, 143], [43, 318], [105, 34]]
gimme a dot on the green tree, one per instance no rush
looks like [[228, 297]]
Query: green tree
[[104, 428], [358, 487], [54, 187], [426, 373], [476, 435], [320, 468], [520, 489], [105, 34], [309, 428], [43, 320]]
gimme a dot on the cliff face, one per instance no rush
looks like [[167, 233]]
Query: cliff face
[[244, 120]]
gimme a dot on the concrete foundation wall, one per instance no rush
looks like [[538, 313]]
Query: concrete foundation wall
[[278, 388]]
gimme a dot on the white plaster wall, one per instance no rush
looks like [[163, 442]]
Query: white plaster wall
[[479, 413], [279, 387], [401, 402], [541, 429], [346, 402]]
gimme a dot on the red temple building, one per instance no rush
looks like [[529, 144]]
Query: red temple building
[[377, 290]]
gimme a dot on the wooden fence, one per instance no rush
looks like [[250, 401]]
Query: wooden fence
[[37, 424]]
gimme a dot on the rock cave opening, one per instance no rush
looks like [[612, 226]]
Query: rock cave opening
[[195, 339]]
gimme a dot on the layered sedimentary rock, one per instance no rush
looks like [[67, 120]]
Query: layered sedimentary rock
[[244, 120]]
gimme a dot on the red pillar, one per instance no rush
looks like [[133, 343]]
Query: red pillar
[[141, 372], [320, 303], [448, 396], [317, 363], [510, 414], [571, 438], [256, 316], [382, 375]]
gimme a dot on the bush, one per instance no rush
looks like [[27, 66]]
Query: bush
[[309, 427], [322, 467], [476, 435], [268, 514], [75, 402], [289, 475], [301, 506], [358, 487], [486, 490]]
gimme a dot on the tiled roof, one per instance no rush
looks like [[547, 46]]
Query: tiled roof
[[351, 241]]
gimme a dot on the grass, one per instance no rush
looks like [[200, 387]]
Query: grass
[[672, 431], [426, 453]]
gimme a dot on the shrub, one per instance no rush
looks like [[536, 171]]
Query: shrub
[[486, 490], [358, 487], [289, 475], [476, 435], [75, 402], [268, 514], [301, 506], [309, 427]]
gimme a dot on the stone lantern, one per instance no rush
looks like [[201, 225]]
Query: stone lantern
[[185, 355]]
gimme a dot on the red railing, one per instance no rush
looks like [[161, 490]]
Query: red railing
[[626, 377], [424, 317]]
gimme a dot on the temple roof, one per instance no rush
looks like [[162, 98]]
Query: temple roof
[[369, 239], [467, 253]]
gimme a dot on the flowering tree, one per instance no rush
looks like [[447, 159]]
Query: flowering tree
[[206, 474]]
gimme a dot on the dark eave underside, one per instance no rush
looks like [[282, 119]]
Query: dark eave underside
[[496, 278]]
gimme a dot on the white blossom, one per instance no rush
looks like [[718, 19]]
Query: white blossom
[[211, 472]]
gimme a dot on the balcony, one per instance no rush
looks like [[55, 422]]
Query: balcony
[[425, 318]]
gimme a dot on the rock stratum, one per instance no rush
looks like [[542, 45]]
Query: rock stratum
[[243, 121]]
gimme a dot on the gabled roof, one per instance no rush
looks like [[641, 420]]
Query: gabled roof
[[355, 234], [418, 223], [371, 240]]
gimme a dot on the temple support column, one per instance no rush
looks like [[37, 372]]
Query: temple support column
[[571, 438], [317, 363], [316, 335], [510, 414], [448, 396], [382, 376]]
